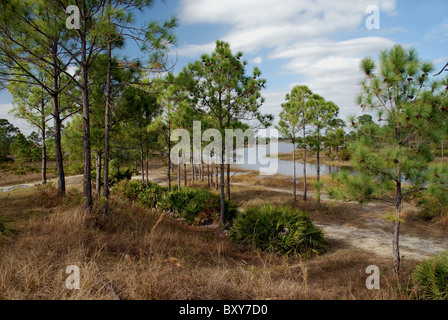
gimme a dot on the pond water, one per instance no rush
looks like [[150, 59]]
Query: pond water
[[257, 158]]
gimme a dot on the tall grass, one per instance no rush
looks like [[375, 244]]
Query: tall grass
[[138, 253]]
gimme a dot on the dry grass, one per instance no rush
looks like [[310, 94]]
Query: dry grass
[[8, 178], [139, 254]]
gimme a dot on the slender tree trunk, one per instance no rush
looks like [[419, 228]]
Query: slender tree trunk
[[212, 172], [57, 124], [106, 190], [294, 168], [178, 175], [305, 188], [142, 165], [223, 196], [396, 240], [44, 146], [98, 173], [86, 115], [192, 168], [216, 177], [208, 173], [169, 161], [147, 159], [318, 155], [185, 174], [202, 167], [228, 182]]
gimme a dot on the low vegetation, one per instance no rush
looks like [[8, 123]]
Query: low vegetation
[[432, 277], [139, 253], [278, 230], [196, 206]]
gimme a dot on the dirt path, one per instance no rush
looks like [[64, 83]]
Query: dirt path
[[375, 235], [71, 180]]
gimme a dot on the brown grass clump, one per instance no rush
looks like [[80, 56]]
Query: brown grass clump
[[140, 254]]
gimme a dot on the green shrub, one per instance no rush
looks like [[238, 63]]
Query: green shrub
[[431, 276], [197, 206], [430, 208], [280, 230], [116, 177], [129, 189], [151, 195], [345, 155]]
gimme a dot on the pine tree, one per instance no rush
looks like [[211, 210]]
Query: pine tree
[[220, 88], [409, 106], [294, 120]]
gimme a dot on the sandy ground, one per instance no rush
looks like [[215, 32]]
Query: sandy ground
[[72, 180], [371, 233]]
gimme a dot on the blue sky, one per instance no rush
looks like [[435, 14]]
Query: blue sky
[[318, 43]]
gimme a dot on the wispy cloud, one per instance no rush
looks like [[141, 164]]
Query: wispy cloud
[[300, 32]]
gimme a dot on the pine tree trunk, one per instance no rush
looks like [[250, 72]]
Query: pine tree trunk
[[212, 173], [57, 125], [208, 174], [169, 157], [147, 159], [192, 168], [86, 115], [228, 182], [178, 175], [294, 168], [106, 190], [169, 169], [318, 155], [217, 177], [396, 240], [142, 166], [98, 173], [58, 149], [44, 147], [305, 189], [223, 196]]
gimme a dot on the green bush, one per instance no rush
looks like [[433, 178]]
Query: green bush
[[430, 208], [282, 230], [116, 177], [151, 195], [431, 276], [129, 189], [345, 155], [197, 206]]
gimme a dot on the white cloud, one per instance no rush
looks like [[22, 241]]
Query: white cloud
[[298, 31], [257, 60], [24, 127], [255, 24]]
